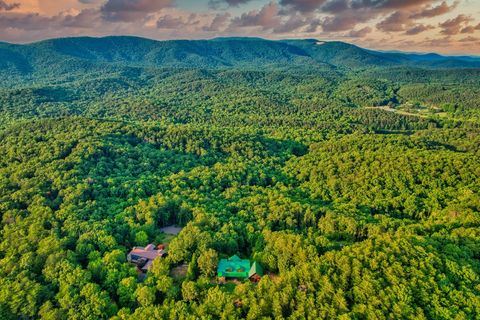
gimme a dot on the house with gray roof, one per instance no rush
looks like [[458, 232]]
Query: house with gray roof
[[143, 257]]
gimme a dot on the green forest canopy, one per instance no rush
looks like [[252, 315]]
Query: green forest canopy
[[357, 188]]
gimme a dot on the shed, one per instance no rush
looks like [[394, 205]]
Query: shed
[[256, 272]]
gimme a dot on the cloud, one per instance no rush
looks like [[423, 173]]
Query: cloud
[[336, 6], [33, 21], [294, 21], [87, 18], [302, 5], [359, 33], [132, 10], [344, 15], [454, 26], [170, 22], [387, 4], [339, 6], [470, 29], [402, 20], [439, 42], [334, 16], [175, 22], [266, 18], [313, 26], [8, 7], [430, 12], [218, 22], [419, 28], [469, 39], [395, 22], [231, 3], [345, 21]]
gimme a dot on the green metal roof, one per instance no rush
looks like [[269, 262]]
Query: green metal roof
[[234, 267]]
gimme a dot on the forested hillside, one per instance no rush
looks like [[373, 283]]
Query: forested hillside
[[68, 55], [351, 176]]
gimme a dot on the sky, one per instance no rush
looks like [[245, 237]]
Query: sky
[[444, 26]]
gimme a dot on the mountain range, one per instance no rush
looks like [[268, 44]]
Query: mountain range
[[63, 54]]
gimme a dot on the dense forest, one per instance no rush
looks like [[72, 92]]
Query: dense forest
[[351, 176]]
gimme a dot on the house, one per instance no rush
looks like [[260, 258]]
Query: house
[[234, 267], [143, 257]]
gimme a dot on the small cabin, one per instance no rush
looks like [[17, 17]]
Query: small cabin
[[234, 267], [143, 257]]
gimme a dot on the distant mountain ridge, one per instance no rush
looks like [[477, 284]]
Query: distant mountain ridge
[[63, 54]]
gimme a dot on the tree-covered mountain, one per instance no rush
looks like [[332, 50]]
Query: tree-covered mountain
[[85, 52]]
